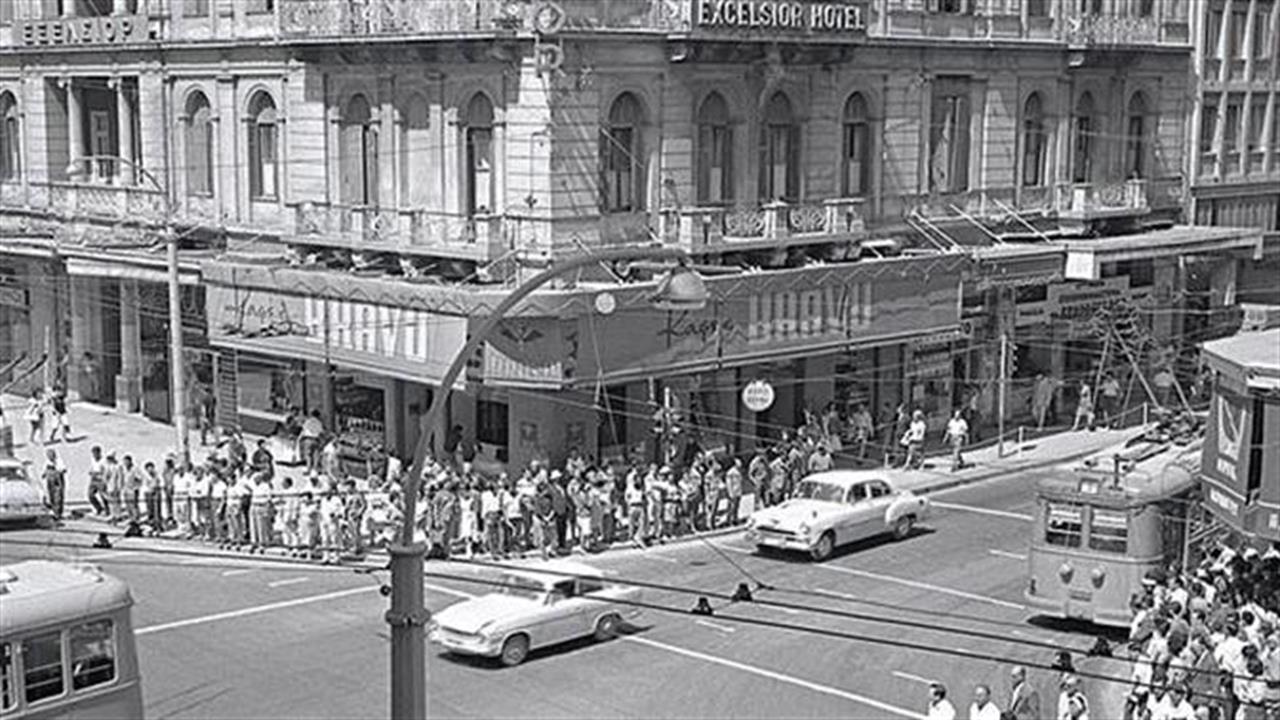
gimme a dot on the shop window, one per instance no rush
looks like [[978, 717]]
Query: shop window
[[857, 147], [779, 177], [1037, 8], [1257, 121], [1064, 524], [1035, 142], [492, 419], [1231, 129], [1208, 123], [1083, 135], [1109, 531], [949, 136], [1262, 32], [1236, 36], [269, 387], [1213, 34], [621, 156], [93, 654], [715, 152], [198, 139], [42, 666], [358, 153], [10, 137], [8, 691], [415, 149], [1031, 293], [195, 8], [263, 147], [1257, 443], [1136, 137], [952, 7], [478, 137]]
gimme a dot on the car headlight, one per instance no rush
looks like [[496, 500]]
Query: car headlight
[[805, 529], [751, 523]]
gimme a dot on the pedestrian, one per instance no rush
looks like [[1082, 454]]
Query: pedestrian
[[940, 708], [913, 440], [263, 461], [468, 519], [168, 477], [512, 516], [957, 436], [863, 429], [545, 521], [219, 508], [113, 474], [260, 534], [239, 492], [206, 412], [560, 506], [330, 526], [635, 500], [200, 490], [1071, 702], [133, 484], [58, 409], [1024, 700], [354, 508], [151, 496], [178, 496], [35, 417], [491, 519], [1109, 400], [1164, 382], [982, 708], [309, 440], [779, 478], [1084, 408], [308, 524], [98, 482], [55, 482], [758, 473], [821, 460], [733, 490], [901, 423]]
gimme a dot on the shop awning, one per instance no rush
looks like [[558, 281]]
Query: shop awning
[[297, 348], [124, 270], [1251, 356], [1085, 257]]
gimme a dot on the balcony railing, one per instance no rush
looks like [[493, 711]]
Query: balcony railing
[[91, 201], [1109, 30], [709, 227], [363, 18], [480, 237], [1115, 198]]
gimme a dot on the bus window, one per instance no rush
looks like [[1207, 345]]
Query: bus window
[[1109, 531], [1066, 524], [8, 698], [93, 654], [42, 660]]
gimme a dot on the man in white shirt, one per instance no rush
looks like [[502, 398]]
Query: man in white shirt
[[982, 707], [940, 707], [1173, 706], [957, 435]]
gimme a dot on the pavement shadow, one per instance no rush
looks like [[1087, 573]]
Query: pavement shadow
[[540, 654], [845, 550], [1076, 626]]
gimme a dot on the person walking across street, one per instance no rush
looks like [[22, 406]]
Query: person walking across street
[[35, 417], [982, 708], [151, 496], [113, 475], [913, 440], [1109, 400], [1024, 700], [1084, 408], [863, 429], [58, 411], [133, 484], [940, 708], [55, 482], [957, 436], [98, 482]]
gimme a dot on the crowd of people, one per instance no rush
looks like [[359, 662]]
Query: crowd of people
[[1024, 701], [1206, 642]]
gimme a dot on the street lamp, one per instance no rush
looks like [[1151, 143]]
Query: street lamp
[[680, 289], [177, 368]]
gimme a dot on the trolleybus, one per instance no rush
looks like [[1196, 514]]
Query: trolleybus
[[1102, 526], [66, 644]]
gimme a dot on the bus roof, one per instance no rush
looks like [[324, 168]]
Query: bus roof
[[39, 593], [1149, 470]]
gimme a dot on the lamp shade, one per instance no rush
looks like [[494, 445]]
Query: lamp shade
[[680, 289]]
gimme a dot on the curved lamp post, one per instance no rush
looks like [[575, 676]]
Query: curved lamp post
[[177, 368], [680, 289]]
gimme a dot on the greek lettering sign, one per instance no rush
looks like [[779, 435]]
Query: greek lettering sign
[[108, 30], [758, 396], [821, 17]]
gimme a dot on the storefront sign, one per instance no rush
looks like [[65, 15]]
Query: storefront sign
[[1074, 300], [13, 296], [1226, 436], [108, 30], [822, 17], [758, 396]]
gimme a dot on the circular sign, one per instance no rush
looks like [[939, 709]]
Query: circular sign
[[548, 18], [606, 303], [758, 395]]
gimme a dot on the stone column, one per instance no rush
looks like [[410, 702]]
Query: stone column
[[124, 132], [75, 123], [83, 309], [129, 381]]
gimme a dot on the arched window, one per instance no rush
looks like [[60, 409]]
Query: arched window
[[715, 151], [1035, 142], [856, 175], [478, 131], [358, 153], [1135, 147], [621, 156], [10, 138], [1083, 135], [779, 151], [263, 147], [415, 148], [198, 140]]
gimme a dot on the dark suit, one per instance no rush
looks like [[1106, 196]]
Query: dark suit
[[1024, 704]]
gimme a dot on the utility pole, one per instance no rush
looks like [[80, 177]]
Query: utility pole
[[177, 355], [1004, 390]]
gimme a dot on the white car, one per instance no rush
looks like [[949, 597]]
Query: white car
[[21, 500], [544, 605], [836, 508]]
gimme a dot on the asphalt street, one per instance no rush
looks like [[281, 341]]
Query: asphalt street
[[250, 638]]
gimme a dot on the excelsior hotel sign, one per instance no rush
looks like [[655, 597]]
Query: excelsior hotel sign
[[820, 17]]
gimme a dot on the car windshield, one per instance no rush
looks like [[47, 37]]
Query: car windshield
[[814, 490], [521, 586], [12, 472]]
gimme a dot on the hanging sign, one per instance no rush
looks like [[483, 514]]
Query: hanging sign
[[758, 395]]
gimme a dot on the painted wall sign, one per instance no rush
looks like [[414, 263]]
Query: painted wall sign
[[108, 30], [820, 17], [758, 396]]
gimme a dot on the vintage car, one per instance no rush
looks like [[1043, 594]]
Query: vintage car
[[21, 500], [836, 508], [545, 605]]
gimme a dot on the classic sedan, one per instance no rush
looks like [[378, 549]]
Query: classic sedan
[[549, 604], [836, 508], [21, 500]]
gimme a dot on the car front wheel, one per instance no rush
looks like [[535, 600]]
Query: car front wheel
[[824, 547], [902, 528], [607, 627], [515, 650]]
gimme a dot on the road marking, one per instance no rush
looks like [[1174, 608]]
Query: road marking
[[913, 678], [715, 626], [109, 555], [1007, 554], [195, 561], [233, 573], [837, 595], [982, 511], [290, 581], [924, 586], [673, 561], [255, 610], [449, 591], [776, 676]]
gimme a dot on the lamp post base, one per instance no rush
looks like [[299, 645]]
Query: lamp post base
[[408, 619]]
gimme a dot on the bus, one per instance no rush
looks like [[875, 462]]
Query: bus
[[66, 644], [1103, 525]]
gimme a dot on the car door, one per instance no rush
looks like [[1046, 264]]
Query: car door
[[878, 505], [563, 619], [858, 499]]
